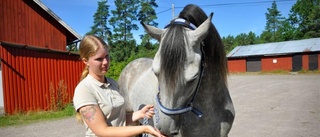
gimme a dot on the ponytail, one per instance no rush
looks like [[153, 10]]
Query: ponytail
[[84, 74], [79, 117]]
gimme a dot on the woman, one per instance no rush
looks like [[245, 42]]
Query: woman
[[97, 100]]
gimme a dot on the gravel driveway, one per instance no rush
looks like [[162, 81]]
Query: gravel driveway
[[266, 106]]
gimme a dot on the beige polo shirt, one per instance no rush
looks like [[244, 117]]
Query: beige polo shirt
[[90, 91]]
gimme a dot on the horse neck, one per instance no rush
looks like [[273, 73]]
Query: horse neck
[[212, 88]]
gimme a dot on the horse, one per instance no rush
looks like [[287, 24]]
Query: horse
[[190, 98]]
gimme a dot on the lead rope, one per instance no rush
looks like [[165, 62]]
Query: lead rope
[[145, 122]]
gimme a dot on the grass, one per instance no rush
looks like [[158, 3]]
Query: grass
[[33, 117]]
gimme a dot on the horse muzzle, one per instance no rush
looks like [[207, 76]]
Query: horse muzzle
[[168, 125]]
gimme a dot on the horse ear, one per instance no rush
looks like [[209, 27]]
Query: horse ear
[[201, 32], [153, 31]]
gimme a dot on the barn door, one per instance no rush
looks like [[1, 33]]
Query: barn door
[[313, 61], [296, 62], [253, 64]]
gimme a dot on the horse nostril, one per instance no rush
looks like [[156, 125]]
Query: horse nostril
[[174, 133]]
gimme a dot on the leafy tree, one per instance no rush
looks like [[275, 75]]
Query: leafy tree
[[287, 31], [265, 37], [305, 16], [251, 38], [99, 27], [274, 21], [228, 43], [241, 39]]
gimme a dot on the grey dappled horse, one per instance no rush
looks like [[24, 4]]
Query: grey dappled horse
[[190, 97]]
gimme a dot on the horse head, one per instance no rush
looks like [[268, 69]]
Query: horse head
[[178, 65]]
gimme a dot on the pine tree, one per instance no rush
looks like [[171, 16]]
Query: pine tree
[[100, 27], [147, 15], [123, 22], [274, 21]]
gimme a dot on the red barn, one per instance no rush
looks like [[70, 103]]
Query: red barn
[[289, 56], [34, 59]]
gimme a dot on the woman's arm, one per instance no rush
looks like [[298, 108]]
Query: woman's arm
[[94, 118]]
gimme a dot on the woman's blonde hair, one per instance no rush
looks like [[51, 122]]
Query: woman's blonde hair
[[88, 47]]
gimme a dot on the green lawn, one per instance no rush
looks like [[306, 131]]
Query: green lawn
[[32, 117]]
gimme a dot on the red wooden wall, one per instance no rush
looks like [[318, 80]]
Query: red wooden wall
[[27, 75], [305, 62], [33, 56], [283, 62], [276, 63], [237, 65], [23, 21]]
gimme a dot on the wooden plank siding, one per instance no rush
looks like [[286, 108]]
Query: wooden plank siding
[[276, 62], [305, 62], [28, 76], [237, 65], [33, 55], [272, 63], [22, 21]]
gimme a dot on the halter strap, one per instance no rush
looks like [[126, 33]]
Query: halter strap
[[183, 22]]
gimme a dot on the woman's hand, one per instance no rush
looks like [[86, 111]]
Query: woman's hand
[[153, 131], [147, 111]]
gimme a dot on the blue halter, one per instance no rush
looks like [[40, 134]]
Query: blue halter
[[183, 22]]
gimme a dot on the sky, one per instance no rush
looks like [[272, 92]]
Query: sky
[[231, 17]]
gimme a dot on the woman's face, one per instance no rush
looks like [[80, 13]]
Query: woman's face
[[99, 63]]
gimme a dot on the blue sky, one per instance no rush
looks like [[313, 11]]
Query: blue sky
[[231, 17]]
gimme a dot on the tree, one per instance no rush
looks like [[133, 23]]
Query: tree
[[123, 22], [99, 27], [241, 40], [287, 31], [147, 15], [228, 43], [251, 38], [305, 16], [274, 21]]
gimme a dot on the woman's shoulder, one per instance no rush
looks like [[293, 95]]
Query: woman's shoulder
[[84, 83]]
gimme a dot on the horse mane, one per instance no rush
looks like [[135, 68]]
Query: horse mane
[[216, 60], [173, 52]]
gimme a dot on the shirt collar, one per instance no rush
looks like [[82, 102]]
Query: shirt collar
[[98, 83]]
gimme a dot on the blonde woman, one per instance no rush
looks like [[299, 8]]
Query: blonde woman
[[97, 100]]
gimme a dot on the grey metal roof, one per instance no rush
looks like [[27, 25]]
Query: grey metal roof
[[278, 48], [56, 17]]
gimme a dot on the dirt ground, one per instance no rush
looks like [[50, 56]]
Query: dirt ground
[[266, 106]]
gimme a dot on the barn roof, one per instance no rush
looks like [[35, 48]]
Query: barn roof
[[57, 18], [277, 48]]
